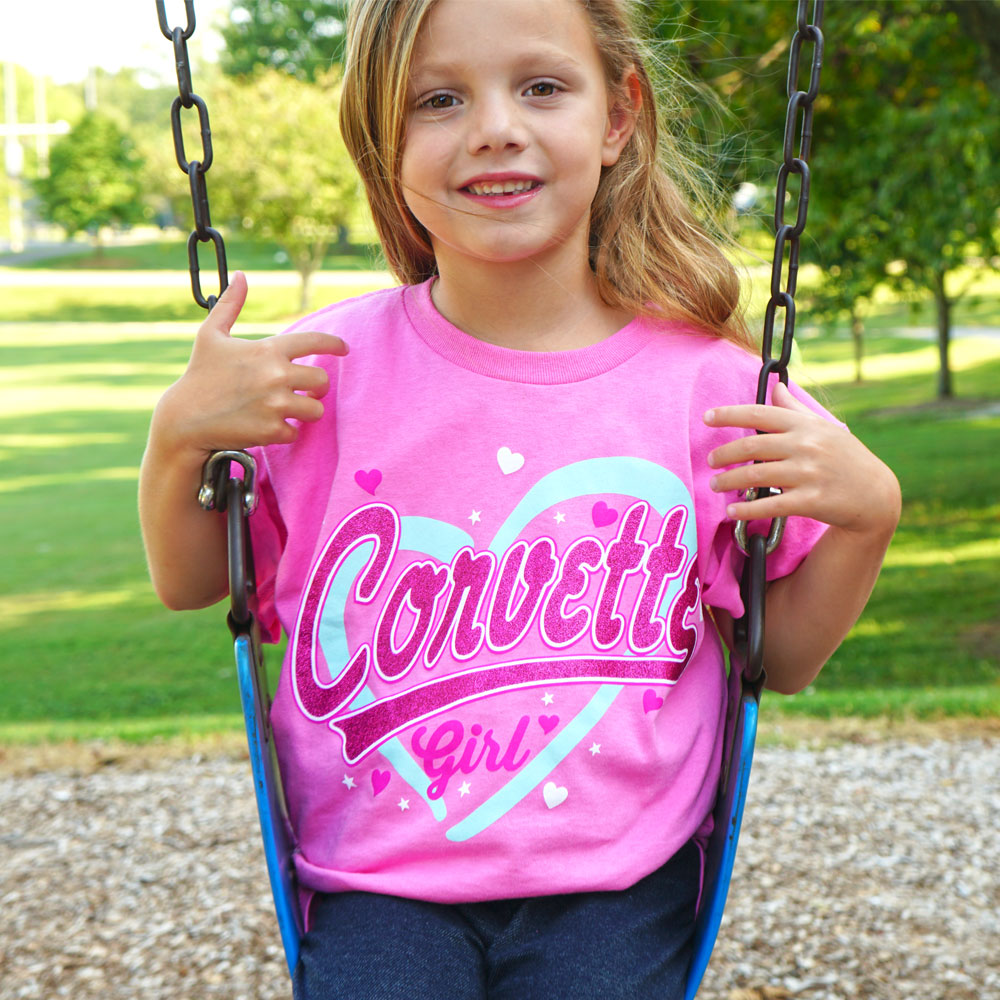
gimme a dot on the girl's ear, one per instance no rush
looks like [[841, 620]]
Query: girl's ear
[[625, 103]]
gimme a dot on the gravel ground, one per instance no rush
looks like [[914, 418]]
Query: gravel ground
[[865, 871]]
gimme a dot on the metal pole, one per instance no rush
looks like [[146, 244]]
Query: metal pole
[[13, 159]]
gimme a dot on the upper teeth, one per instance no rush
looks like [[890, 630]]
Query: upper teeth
[[501, 187]]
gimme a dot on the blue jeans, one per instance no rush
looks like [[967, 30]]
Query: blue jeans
[[624, 945]]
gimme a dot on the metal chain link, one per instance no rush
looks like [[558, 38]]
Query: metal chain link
[[195, 169], [800, 106]]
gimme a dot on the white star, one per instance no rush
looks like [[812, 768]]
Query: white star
[[547, 698], [403, 804], [348, 780], [465, 788], [560, 517], [595, 748], [474, 517]]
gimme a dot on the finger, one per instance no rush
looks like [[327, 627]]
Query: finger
[[304, 344], [224, 313], [762, 509], [305, 408], [743, 477], [782, 396], [751, 415], [310, 379], [749, 448]]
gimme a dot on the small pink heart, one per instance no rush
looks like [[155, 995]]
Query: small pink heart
[[603, 514], [651, 701], [369, 480], [379, 780], [548, 722]]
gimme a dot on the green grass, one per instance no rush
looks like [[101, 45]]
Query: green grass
[[89, 653], [171, 254], [929, 642], [151, 304]]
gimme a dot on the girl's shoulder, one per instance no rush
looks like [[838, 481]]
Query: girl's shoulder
[[688, 345]]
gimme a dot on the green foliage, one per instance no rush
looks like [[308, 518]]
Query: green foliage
[[281, 170], [304, 40], [94, 179], [906, 177]]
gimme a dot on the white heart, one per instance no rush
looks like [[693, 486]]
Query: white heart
[[510, 461], [554, 794]]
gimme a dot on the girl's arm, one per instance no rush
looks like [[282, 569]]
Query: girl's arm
[[827, 474], [234, 394]]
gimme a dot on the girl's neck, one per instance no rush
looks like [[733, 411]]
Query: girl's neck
[[524, 307]]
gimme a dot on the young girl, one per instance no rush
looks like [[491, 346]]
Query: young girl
[[492, 530]]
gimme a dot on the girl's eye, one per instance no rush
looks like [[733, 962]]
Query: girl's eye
[[439, 102], [542, 89]]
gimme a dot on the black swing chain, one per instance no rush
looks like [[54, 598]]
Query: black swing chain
[[750, 631], [195, 169], [800, 104], [220, 490]]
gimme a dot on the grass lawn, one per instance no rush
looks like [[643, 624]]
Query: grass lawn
[[88, 652], [171, 254]]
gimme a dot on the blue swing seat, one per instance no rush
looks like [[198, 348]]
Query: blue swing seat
[[275, 831], [741, 733], [271, 810]]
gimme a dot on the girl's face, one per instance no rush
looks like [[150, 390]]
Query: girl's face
[[509, 124]]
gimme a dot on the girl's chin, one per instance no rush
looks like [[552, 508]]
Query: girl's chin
[[556, 254]]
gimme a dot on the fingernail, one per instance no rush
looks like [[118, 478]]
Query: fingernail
[[731, 512], [709, 416], [714, 482]]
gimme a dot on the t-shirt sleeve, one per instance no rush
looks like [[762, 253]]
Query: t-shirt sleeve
[[267, 533], [722, 562]]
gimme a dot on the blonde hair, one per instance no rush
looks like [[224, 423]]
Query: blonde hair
[[648, 252]]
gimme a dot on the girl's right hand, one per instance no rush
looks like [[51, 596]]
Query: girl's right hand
[[237, 393]]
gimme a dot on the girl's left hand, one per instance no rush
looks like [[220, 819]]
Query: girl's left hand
[[824, 472]]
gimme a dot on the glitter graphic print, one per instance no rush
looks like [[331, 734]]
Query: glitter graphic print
[[479, 670]]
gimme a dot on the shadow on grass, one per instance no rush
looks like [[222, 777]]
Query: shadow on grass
[[139, 351]]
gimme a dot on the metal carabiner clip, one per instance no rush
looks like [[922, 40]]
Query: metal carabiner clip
[[741, 532], [214, 479]]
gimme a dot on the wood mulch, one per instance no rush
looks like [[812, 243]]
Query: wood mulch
[[869, 869]]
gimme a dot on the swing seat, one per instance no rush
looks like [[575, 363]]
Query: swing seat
[[271, 811], [741, 729], [741, 732]]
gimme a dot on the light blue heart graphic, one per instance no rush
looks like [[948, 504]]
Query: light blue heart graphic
[[632, 477]]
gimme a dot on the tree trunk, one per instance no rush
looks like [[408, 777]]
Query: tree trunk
[[857, 333], [308, 260], [943, 304], [306, 273]]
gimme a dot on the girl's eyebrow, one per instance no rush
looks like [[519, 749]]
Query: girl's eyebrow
[[555, 61]]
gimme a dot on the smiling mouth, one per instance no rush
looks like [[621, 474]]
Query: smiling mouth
[[498, 188]]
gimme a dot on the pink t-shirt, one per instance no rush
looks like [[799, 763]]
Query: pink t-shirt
[[492, 566]]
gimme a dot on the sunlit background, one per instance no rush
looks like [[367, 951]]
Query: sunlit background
[[900, 269]]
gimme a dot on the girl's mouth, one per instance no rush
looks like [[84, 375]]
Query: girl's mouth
[[502, 193], [498, 188]]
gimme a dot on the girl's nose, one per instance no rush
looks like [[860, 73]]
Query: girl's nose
[[496, 124]]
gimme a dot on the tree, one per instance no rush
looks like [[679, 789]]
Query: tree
[[94, 178], [305, 40], [281, 170], [906, 188], [909, 152]]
